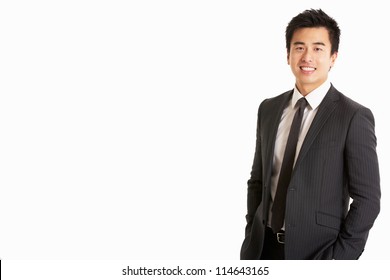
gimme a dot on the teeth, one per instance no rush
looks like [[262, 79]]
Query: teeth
[[308, 68]]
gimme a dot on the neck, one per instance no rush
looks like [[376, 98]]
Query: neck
[[306, 89]]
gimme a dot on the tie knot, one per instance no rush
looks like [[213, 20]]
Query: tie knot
[[302, 103]]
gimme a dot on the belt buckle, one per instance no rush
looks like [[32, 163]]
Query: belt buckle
[[280, 237]]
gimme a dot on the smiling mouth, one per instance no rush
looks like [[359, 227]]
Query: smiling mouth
[[305, 68]]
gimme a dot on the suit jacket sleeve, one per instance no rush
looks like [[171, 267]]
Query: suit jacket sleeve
[[254, 195], [363, 186]]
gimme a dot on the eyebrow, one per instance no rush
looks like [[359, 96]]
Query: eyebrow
[[315, 43]]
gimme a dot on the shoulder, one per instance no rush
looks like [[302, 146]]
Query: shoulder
[[275, 102], [349, 106], [346, 102]]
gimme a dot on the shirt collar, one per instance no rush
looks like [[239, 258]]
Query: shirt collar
[[314, 98]]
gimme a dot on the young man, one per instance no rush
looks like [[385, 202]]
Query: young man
[[299, 190]]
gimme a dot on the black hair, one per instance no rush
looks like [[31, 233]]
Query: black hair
[[314, 18]]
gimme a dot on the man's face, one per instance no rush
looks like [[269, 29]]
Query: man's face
[[309, 57]]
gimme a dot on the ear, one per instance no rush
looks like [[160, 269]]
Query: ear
[[288, 57], [333, 58]]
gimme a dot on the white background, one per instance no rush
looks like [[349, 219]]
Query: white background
[[127, 128]]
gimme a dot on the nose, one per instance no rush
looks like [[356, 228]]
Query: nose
[[307, 56]]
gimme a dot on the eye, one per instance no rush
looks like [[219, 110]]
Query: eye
[[318, 49], [299, 48]]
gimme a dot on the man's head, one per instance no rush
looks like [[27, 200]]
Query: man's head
[[312, 41], [314, 18]]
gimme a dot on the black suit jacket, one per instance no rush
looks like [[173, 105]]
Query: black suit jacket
[[337, 161]]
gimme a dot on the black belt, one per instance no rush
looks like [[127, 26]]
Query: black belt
[[279, 236]]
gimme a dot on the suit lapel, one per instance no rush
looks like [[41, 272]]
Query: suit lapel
[[325, 109], [270, 120], [273, 119]]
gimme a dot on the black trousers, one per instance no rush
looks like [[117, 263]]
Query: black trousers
[[272, 249]]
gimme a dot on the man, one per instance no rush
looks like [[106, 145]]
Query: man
[[304, 211]]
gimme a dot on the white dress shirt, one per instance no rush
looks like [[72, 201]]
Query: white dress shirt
[[314, 99]]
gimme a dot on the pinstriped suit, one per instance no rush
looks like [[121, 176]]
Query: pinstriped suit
[[337, 161]]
